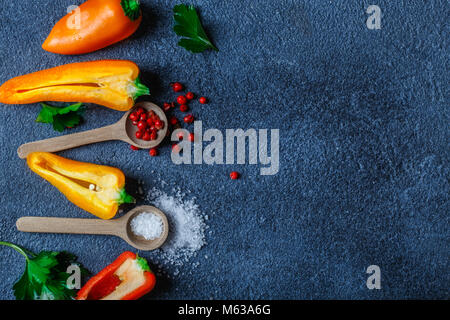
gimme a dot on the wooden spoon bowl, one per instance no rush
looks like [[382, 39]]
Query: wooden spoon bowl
[[139, 241], [131, 129]]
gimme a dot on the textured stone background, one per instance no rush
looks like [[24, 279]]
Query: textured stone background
[[364, 124]]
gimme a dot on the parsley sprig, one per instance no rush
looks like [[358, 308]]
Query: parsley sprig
[[188, 25], [61, 118], [45, 276]]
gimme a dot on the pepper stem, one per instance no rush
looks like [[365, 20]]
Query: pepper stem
[[131, 8], [143, 263], [21, 250], [140, 89], [124, 197]]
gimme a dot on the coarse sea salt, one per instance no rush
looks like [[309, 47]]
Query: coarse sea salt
[[187, 226], [148, 225]]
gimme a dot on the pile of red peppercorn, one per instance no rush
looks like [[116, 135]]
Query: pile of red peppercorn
[[148, 124]]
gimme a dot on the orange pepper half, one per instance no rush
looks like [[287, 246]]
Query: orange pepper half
[[111, 83], [94, 25], [95, 188]]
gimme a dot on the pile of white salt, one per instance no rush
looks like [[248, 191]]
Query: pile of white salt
[[186, 226], [147, 225]]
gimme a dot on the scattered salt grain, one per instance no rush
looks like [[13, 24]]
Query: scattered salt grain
[[187, 226], [148, 225]]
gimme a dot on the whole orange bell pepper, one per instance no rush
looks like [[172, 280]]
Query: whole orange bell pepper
[[127, 278], [111, 83], [95, 188], [94, 25]]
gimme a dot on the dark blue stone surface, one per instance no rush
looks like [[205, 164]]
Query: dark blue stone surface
[[364, 147]]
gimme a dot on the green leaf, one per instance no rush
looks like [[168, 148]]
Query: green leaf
[[188, 25], [56, 290], [65, 259], [195, 46], [39, 267], [45, 116], [23, 288], [58, 125], [45, 276], [61, 118]]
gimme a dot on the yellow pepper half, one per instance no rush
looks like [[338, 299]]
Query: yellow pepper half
[[95, 188]]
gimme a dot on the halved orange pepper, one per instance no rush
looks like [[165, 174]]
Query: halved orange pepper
[[94, 25], [111, 83], [95, 188]]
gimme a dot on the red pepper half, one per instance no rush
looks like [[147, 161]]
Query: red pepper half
[[127, 278]]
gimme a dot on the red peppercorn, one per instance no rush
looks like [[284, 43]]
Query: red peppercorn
[[173, 120], [189, 118], [181, 100], [177, 87], [191, 137], [159, 124], [135, 123], [133, 116], [184, 108], [139, 134], [234, 175], [146, 136], [190, 95], [203, 100], [134, 148], [153, 135], [155, 118], [150, 122], [139, 111], [142, 125], [143, 117], [167, 106], [153, 152]]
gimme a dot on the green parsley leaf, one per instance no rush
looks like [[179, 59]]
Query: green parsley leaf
[[23, 288], [45, 276], [61, 118], [188, 25]]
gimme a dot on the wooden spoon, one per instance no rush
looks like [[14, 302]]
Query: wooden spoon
[[122, 130], [118, 227]]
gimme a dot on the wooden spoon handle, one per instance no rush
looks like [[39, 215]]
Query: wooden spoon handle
[[112, 132], [68, 225]]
